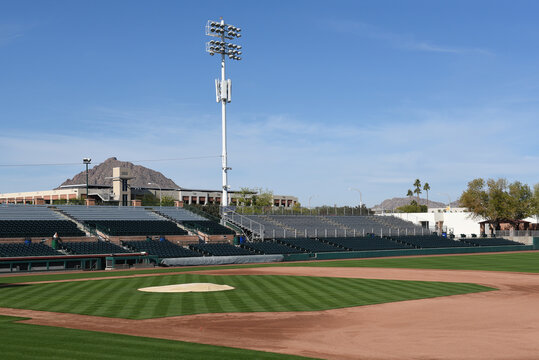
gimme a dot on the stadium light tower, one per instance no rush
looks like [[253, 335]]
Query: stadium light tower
[[222, 33]]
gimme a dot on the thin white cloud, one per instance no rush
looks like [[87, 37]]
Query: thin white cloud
[[398, 40], [10, 32], [299, 157]]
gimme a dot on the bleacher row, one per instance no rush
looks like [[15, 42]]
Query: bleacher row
[[166, 249], [31, 221], [282, 226]]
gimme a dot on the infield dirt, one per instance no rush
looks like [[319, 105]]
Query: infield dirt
[[501, 324]]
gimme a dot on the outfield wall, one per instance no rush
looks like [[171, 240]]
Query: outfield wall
[[409, 252]]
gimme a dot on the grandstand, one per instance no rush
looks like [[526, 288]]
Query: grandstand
[[269, 248], [282, 226], [219, 249], [428, 241], [193, 221], [122, 221], [366, 243], [310, 245], [26, 249], [162, 248], [93, 247], [20, 221], [489, 242]]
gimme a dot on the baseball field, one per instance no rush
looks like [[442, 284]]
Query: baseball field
[[439, 307]]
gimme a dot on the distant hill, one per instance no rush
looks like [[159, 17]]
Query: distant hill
[[390, 204], [98, 175]]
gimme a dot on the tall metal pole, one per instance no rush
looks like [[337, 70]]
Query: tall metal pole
[[87, 161], [86, 183], [224, 197], [223, 32]]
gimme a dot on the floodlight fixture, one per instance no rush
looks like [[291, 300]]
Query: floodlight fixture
[[223, 87]]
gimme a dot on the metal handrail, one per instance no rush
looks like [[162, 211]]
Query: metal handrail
[[227, 214]]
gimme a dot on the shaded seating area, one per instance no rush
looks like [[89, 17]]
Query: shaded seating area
[[135, 227], [366, 243], [208, 227], [160, 248], [310, 245], [490, 242], [269, 248], [219, 249], [38, 228], [428, 241], [26, 249], [93, 247]]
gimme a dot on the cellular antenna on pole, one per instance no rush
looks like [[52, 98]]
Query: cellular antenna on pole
[[223, 87]]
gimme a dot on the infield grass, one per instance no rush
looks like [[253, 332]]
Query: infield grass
[[32, 342], [252, 293]]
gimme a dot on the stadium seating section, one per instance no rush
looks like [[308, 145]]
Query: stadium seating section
[[178, 214], [93, 247], [135, 227], [219, 249], [310, 245], [282, 226], [267, 247], [366, 243], [24, 249], [38, 228], [90, 213], [208, 227], [429, 241], [162, 249], [490, 242]]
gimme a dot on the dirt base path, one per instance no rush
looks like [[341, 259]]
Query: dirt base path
[[500, 324]]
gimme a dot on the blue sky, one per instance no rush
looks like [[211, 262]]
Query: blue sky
[[329, 96]]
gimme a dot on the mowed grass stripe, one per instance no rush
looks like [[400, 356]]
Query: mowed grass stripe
[[513, 262], [120, 297], [257, 294], [31, 342]]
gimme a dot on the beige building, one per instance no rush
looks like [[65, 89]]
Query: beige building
[[123, 194]]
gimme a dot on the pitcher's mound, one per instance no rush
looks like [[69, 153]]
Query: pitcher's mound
[[192, 287]]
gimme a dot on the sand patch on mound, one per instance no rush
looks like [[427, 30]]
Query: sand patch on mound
[[191, 287]]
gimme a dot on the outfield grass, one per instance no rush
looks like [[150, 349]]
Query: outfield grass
[[512, 262], [120, 297], [515, 262], [32, 342]]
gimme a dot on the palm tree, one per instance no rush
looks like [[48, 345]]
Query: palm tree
[[417, 185], [426, 187], [409, 193]]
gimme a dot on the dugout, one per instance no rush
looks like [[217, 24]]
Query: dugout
[[75, 262]]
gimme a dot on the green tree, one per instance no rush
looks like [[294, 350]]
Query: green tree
[[497, 201], [536, 199], [417, 190], [167, 201], [426, 187], [245, 197], [413, 207], [410, 193], [263, 198]]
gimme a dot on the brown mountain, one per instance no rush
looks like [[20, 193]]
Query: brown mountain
[[390, 204], [98, 175]]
